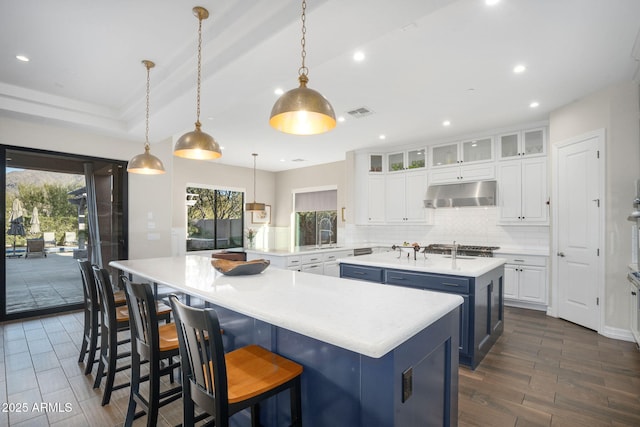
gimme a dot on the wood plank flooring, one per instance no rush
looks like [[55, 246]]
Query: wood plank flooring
[[548, 372], [542, 372]]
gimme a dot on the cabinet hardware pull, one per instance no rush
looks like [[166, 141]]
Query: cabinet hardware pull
[[633, 293], [396, 278], [450, 284], [518, 260]]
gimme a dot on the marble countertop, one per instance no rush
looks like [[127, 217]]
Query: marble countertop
[[363, 317], [432, 263]]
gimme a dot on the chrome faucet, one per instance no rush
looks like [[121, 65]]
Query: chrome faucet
[[327, 230]]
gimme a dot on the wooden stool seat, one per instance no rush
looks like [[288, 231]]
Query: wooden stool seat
[[122, 313], [119, 298], [168, 337], [253, 370]]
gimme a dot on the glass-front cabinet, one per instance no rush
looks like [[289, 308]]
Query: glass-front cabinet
[[403, 160], [528, 143], [473, 150], [477, 150], [375, 163], [443, 155]]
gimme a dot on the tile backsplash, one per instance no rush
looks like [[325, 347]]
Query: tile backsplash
[[468, 226]]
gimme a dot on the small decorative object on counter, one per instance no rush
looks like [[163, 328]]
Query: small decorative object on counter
[[251, 235], [240, 268], [407, 248]]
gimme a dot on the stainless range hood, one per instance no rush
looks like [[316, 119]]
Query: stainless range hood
[[478, 193]]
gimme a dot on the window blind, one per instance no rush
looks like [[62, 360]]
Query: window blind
[[313, 201]]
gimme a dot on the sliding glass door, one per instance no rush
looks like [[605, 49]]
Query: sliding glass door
[[58, 208]]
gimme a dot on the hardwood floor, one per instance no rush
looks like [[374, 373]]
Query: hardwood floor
[[542, 372], [548, 372]]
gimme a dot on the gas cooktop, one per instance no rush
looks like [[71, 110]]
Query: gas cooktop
[[465, 250]]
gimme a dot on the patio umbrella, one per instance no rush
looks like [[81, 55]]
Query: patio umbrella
[[17, 222], [35, 222]]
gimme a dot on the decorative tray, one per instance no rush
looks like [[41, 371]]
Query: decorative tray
[[240, 268]]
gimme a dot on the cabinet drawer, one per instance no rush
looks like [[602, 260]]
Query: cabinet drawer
[[311, 258], [293, 261], [332, 256], [359, 272], [539, 261], [428, 281]]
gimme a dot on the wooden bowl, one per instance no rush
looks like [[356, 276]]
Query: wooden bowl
[[240, 268]]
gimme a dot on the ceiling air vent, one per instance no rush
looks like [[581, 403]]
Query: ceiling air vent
[[360, 112]]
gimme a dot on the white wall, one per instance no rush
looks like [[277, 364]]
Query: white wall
[[616, 110]]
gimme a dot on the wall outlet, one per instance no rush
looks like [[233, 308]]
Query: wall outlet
[[407, 384]]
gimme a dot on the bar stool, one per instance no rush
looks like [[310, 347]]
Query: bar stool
[[113, 319], [222, 385], [91, 314], [153, 343]]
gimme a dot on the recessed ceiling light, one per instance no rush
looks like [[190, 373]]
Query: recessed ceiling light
[[22, 58], [534, 104], [491, 2], [341, 119], [221, 147], [282, 160], [358, 56], [382, 137], [446, 123], [519, 69], [279, 91]]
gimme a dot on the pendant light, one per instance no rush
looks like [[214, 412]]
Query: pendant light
[[255, 206], [146, 163], [303, 111], [197, 144]]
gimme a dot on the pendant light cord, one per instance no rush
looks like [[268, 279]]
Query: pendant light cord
[[146, 131], [199, 69], [303, 69]]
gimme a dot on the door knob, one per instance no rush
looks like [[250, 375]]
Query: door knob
[[561, 254]]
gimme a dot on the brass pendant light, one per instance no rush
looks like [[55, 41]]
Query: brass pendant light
[[197, 144], [303, 111], [146, 163], [255, 206]]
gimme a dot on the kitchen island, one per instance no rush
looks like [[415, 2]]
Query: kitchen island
[[373, 355], [478, 280]]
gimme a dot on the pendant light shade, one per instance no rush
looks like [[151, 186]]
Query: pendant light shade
[[255, 206], [146, 163], [197, 144], [303, 111]]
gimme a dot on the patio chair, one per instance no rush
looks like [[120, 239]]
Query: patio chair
[[49, 238], [70, 238], [35, 246]]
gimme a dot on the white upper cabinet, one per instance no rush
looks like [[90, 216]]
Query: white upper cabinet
[[469, 151], [405, 160], [375, 199], [529, 143], [522, 192], [375, 163], [470, 160], [404, 197]]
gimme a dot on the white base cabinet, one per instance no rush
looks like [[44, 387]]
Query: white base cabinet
[[525, 281], [323, 261]]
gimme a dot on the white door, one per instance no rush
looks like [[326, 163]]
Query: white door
[[578, 231]]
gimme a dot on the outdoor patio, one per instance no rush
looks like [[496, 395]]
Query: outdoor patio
[[39, 282]]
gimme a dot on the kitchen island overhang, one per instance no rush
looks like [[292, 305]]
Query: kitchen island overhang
[[372, 355]]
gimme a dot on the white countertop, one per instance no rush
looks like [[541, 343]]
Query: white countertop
[[432, 263], [366, 318]]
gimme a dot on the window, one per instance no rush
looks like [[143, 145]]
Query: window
[[316, 218], [215, 218]]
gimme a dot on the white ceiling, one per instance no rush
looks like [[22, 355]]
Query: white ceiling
[[426, 61]]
